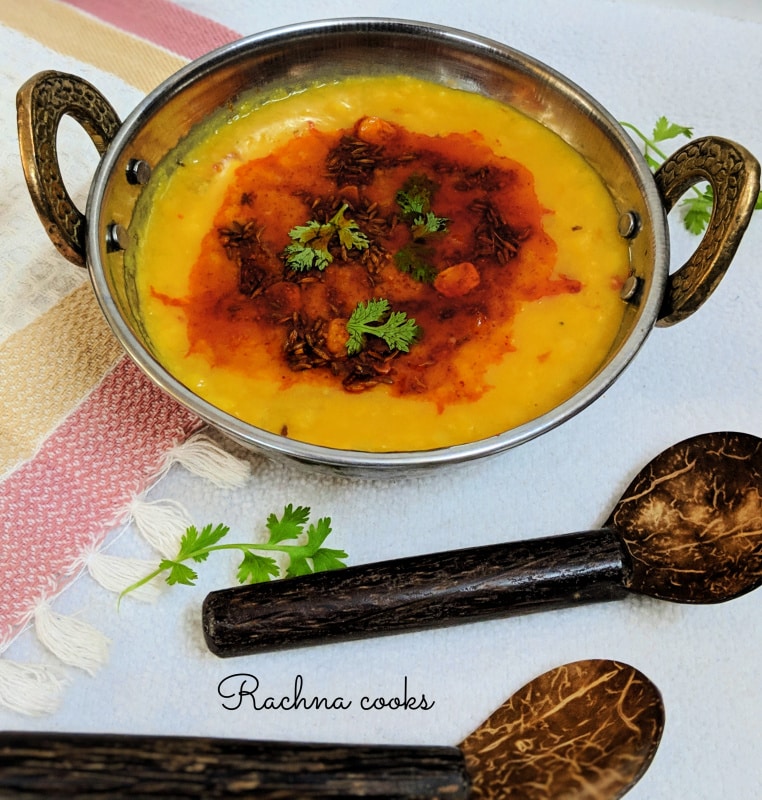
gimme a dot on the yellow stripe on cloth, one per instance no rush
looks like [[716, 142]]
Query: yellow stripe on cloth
[[47, 368], [69, 31]]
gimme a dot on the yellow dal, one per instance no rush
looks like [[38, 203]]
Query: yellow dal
[[558, 341]]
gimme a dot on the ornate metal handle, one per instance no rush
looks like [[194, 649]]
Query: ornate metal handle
[[733, 173], [41, 103]]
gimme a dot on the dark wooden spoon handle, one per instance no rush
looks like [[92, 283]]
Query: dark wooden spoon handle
[[416, 592], [59, 765]]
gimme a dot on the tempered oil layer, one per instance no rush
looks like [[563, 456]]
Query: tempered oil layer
[[559, 307]]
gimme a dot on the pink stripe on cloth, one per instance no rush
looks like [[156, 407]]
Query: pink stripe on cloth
[[163, 23], [78, 487]]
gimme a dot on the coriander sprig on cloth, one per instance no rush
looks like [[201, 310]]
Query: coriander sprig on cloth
[[287, 535]]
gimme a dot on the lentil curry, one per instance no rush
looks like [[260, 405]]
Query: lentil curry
[[379, 264]]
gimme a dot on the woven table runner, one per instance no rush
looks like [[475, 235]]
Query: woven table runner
[[83, 434]]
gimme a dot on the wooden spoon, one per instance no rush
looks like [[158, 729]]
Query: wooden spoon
[[688, 529], [588, 730]]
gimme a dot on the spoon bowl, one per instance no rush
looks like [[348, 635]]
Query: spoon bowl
[[589, 729], [691, 521]]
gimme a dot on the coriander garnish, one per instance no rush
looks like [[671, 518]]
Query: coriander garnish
[[415, 260], [374, 319], [414, 201], [311, 241]]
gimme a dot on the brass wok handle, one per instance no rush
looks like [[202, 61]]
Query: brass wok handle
[[41, 104], [733, 173]]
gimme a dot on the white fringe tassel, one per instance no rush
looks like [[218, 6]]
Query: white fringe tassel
[[72, 641], [205, 458], [115, 574], [31, 689], [37, 689], [161, 523]]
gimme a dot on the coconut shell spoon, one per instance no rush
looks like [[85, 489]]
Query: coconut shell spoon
[[588, 729], [687, 529]]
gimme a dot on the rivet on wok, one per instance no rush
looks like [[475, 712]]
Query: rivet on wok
[[117, 237], [138, 171], [629, 225], [630, 288]]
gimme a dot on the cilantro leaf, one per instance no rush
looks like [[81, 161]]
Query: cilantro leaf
[[412, 202], [304, 234], [311, 242], [414, 261], [302, 257], [362, 317], [348, 231], [306, 557], [194, 544], [698, 210], [317, 534], [298, 565], [257, 569], [289, 526], [396, 330], [178, 572], [427, 225], [311, 557], [664, 129], [326, 559], [414, 198]]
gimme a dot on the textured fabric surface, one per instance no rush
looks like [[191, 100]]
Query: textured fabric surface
[[63, 29], [60, 503], [82, 431], [163, 23], [47, 367]]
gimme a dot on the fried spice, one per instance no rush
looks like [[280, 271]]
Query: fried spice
[[353, 161], [489, 217], [493, 236], [243, 246], [307, 347]]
